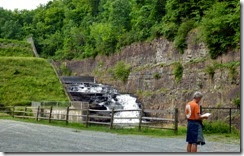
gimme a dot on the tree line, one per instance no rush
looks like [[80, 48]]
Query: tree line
[[68, 29]]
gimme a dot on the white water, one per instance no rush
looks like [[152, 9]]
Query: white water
[[129, 103], [121, 101], [96, 89]]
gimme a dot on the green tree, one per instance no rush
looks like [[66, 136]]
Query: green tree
[[221, 27], [119, 14]]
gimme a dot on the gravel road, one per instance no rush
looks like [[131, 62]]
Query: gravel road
[[18, 136]]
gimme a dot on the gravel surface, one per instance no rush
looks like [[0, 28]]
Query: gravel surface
[[18, 136]]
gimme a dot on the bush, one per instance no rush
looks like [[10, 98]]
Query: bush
[[232, 70], [121, 71], [221, 27], [210, 70], [156, 76], [178, 71], [169, 30], [215, 127], [65, 70], [231, 66], [180, 38], [237, 102], [105, 36]]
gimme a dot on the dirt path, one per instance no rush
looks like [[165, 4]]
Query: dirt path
[[27, 137]]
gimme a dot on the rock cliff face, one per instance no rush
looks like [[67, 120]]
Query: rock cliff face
[[152, 78]]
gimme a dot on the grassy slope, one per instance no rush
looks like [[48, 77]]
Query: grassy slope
[[25, 79], [15, 48]]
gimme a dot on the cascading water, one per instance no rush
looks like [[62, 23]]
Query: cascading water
[[129, 103], [109, 98]]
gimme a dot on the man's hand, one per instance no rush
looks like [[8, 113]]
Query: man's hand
[[205, 117]]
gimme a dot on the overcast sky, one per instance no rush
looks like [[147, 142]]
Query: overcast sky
[[21, 4]]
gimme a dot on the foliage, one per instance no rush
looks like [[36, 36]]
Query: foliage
[[231, 66], [104, 36], [210, 70], [237, 102], [10, 48], [24, 79], [221, 27], [156, 76], [179, 40], [67, 29], [178, 71], [211, 127], [121, 71], [65, 70]]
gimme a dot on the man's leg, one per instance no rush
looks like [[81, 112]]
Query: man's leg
[[194, 148], [189, 147]]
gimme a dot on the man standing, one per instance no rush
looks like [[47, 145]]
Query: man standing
[[194, 126]]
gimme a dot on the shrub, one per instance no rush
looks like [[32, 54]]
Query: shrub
[[105, 36], [231, 66], [232, 70], [156, 76], [169, 30], [237, 102], [215, 127], [210, 70], [221, 27], [121, 71], [180, 38], [178, 71], [65, 70]]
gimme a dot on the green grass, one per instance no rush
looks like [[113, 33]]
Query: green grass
[[26, 79], [14, 48]]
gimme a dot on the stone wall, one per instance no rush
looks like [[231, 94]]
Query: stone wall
[[158, 57]]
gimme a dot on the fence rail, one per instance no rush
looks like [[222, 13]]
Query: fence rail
[[45, 113]]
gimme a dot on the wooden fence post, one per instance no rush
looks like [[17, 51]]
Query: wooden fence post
[[87, 116], [230, 119], [13, 111], [37, 114], [67, 116], [50, 114], [140, 120], [176, 120], [25, 111], [112, 119], [200, 109]]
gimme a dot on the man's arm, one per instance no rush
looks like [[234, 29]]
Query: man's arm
[[198, 115]]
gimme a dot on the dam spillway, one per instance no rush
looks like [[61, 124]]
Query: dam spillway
[[102, 97]]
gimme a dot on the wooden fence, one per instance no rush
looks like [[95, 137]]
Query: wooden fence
[[88, 115]]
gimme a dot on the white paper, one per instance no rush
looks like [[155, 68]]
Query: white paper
[[206, 115]]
